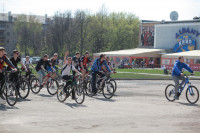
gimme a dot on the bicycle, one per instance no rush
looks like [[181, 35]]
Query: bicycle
[[23, 85], [29, 77], [50, 83], [62, 95], [192, 93], [9, 90], [105, 86]]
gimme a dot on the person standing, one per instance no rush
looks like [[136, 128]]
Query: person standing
[[133, 64]]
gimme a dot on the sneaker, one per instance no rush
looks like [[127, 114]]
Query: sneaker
[[73, 98], [1, 95], [94, 94], [176, 97]]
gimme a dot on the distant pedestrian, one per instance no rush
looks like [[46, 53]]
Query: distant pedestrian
[[133, 64]]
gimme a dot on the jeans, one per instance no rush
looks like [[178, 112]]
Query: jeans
[[94, 75], [176, 80], [41, 74]]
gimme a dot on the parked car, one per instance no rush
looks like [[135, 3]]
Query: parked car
[[35, 60]]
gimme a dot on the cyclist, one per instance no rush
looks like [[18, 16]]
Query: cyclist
[[76, 62], [15, 60], [96, 69], [178, 74], [66, 72], [109, 63], [4, 59], [84, 61], [54, 60], [27, 63], [41, 70]]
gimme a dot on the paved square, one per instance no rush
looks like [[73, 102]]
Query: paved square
[[139, 106]]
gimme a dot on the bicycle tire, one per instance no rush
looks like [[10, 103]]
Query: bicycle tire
[[88, 89], [61, 95], [11, 91], [24, 87], [52, 87], [79, 94], [189, 94], [114, 84], [35, 86], [108, 88], [171, 89]]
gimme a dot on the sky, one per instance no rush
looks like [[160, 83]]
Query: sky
[[144, 9]]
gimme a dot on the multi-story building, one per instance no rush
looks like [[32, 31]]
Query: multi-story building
[[8, 36]]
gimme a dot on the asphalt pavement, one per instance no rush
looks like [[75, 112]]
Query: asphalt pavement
[[138, 106]]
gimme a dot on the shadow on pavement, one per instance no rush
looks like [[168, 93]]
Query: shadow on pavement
[[21, 100], [44, 95], [75, 105], [104, 99], [189, 104], [3, 107]]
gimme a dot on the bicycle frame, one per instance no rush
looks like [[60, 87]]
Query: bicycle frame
[[186, 82], [47, 78]]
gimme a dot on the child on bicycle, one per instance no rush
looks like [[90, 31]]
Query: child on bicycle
[[178, 74], [66, 72]]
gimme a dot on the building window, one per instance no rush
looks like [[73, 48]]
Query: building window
[[7, 41], [8, 33], [165, 61], [187, 61], [7, 26], [173, 61], [196, 61]]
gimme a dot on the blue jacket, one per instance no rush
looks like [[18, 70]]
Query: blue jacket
[[96, 66], [178, 66]]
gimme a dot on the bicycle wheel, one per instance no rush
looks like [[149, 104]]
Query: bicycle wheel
[[170, 92], [35, 86], [11, 94], [61, 95], [192, 94], [88, 89], [52, 87], [79, 94], [24, 89], [114, 84], [108, 90]]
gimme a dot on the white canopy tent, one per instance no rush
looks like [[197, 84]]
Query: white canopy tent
[[137, 52], [195, 54]]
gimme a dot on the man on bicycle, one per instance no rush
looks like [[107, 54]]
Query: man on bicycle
[[96, 69], [54, 61], [84, 61], [15, 60], [178, 74], [4, 59], [66, 72], [41, 70], [76, 62], [27, 63]]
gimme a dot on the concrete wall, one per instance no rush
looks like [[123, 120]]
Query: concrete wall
[[165, 34]]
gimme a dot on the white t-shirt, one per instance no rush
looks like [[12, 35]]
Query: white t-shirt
[[67, 70], [27, 63]]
